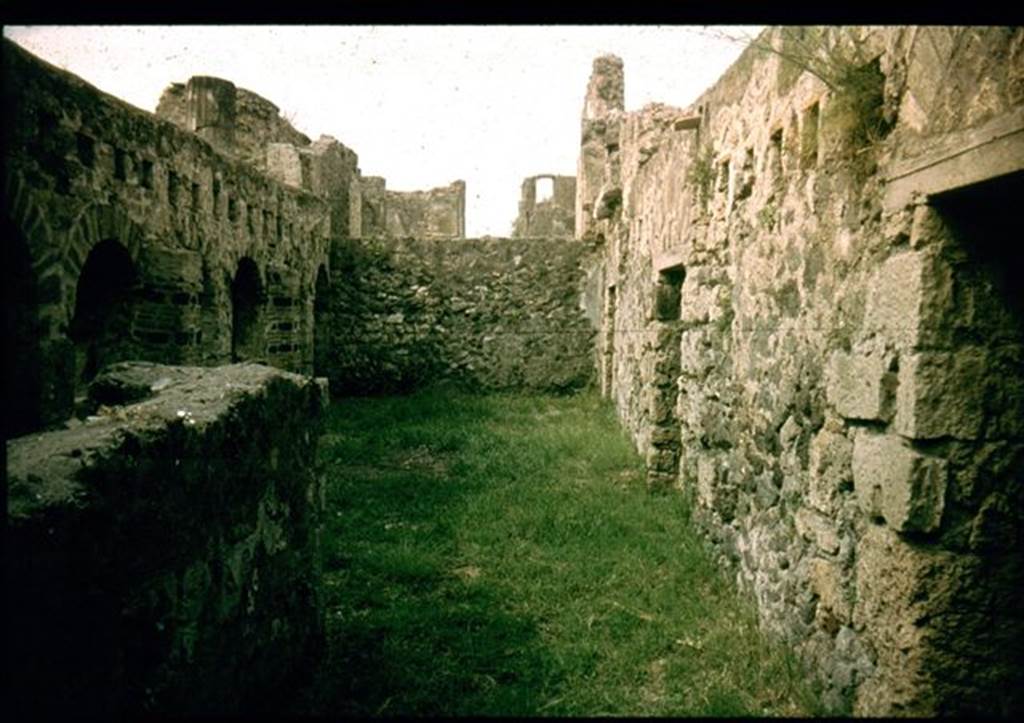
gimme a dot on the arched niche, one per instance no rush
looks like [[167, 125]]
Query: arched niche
[[247, 300], [101, 324]]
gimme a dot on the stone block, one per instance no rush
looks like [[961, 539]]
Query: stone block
[[284, 163], [859, 386], [891, 480], [826, 580], [172, 267], [894, 582], [713, 489], [909, 299], [818, 529], [829, 469], [940, 394]]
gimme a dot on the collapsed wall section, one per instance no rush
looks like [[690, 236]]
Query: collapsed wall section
[[488, 313], [808, 328], [163, 555]]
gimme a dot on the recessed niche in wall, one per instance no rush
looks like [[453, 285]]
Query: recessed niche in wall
[[667, 293]]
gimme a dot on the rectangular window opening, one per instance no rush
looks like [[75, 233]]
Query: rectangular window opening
[[173, 187], [668, 293], [146, 174], [86, 150], [120, 165]]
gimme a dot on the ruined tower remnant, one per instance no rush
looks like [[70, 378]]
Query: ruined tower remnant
[[596, 193], [210, 104], [547, 207]]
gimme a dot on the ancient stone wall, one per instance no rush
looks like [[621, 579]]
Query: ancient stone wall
[[809, 328], [127, 236], [163, 554], [553, 216], [489, 313]]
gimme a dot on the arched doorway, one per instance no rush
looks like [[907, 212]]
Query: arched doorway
[[247, 299], [102, 322], [321, 322]]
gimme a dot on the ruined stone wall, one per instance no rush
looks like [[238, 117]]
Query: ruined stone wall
[[488, 313], [255, 122], [809, 328], [552, 217], [437, 213], [163, 554], [84, 169]]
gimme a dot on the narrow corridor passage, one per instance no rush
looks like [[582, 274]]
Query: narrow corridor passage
[[500, 555]]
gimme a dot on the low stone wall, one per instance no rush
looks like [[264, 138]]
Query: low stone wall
[[163, 555], [490, 313]]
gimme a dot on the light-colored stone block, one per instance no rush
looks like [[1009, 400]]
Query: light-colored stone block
[[284, 164], [940, 394], [909, 299], [891, 480], [826, 581], [829, 469], [859, 386], [818, 529]]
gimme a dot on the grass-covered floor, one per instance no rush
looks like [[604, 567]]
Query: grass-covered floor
[[500, 555]]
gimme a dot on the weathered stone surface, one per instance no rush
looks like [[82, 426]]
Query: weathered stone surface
[[164, 555], [814, 313], [893, 481], [932, 399], [860, 386], [830, 470], [489, 313], [818, 529], [437, 213], [909, 298], [826, 580]]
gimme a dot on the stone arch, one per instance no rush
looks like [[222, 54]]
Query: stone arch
[[248, 296], [95, 224], [321, 321], [100, 326]]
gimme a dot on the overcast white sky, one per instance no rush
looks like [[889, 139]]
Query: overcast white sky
[[420, 105]]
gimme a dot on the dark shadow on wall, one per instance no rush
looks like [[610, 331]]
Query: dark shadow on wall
[[986, 622], [103, 319], [22, 333], [247, 300]]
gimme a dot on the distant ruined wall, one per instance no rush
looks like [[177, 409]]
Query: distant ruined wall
[[437, 213], [128, 237], [809, 326], [551, 217], [163, 555], [488, 313]]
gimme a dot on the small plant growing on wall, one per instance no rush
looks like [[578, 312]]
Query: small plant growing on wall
[[856, 107], [767, 216], [855, 114]]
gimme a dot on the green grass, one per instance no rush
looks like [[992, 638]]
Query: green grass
[[500, 555]]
